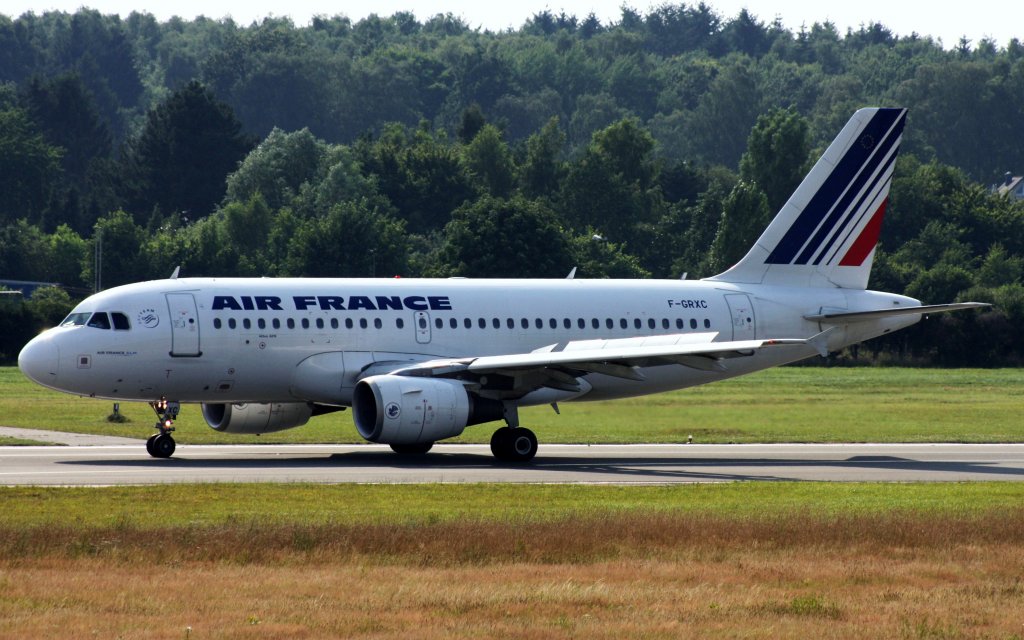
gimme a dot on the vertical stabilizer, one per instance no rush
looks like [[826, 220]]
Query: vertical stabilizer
[[826, 233]]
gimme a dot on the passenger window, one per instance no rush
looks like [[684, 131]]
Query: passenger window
[[466, 322], [594, 322], [453, 323], [496, 323], [481, 323], [664, 323], [261, 323], [693, 323], [553, 323], [524, 323], [348, 323], [232, 324], [439, 323], [567, 323], [362, 323], [334, 323], [216, 323], [707, 323], [650, 323], [120, 321], [276, 323], [400, 323], [99, 321], [246, 323], [581, 323], [377, 323], [538, 323], [679, 323], [305, 323], [510, 323], [609, 323], [623, 324], [319, 323], [291, 323]]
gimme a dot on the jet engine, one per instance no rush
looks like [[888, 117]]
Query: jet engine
[[255, 418], [405, 410]]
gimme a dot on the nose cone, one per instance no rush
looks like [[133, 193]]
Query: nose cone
[[39, 360]]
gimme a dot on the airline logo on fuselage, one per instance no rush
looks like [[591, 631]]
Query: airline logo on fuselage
[[332, 303]]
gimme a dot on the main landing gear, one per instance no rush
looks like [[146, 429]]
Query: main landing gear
[[514, 444], [161, 444]]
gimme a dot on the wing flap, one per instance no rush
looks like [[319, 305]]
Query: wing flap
[[619, 358]]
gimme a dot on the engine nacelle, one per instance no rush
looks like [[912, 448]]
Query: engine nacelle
[[253, 418], [406, 410]]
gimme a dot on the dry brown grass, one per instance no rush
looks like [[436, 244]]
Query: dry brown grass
[[635, 575]]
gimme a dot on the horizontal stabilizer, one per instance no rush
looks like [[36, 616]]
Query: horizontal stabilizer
[[847, 317]]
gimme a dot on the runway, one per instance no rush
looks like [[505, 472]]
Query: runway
[[594, 464]]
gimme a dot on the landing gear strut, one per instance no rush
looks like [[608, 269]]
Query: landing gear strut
[[161, 444]]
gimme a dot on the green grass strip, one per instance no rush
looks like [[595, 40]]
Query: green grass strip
[[789, 404], [309, 504]]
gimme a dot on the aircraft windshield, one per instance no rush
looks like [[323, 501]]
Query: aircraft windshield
[[75, 320], [99, 320]]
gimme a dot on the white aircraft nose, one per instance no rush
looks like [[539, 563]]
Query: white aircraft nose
[[39, 360]]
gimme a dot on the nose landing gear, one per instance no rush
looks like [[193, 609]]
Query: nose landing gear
[[161, 444]]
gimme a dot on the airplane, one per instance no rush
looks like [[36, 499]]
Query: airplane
[[419, 360]]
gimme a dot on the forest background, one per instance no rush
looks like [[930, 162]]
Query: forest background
[[655, 146]]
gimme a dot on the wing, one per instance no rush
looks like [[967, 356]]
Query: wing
[[560, 365]]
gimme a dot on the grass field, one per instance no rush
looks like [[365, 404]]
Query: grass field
[[748, 560], [741, 560], [792, 404]]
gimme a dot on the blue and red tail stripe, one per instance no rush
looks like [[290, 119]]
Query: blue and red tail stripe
[[845, 198]]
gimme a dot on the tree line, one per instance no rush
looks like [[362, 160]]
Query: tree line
[[656, 146]]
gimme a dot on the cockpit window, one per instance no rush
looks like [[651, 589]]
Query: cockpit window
[[99, 320], [75, 320], [120, 321]]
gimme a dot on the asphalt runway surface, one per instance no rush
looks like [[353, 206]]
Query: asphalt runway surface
[[126, 464]]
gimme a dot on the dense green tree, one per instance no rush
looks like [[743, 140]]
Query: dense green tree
[[595, 257], [180, 160], [542, 171], [352, 240], [489, 162], [277, 168], [745, 214], [498, 238], [420, 173], [29, 168], [49, 305], [776, 156], [611, 186], [122, 243]]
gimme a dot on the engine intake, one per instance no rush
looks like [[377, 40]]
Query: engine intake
[[255, 418], [406, 410]]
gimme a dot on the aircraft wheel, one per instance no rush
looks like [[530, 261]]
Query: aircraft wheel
[[517, 444], [163, 446], [416, 448], [149, 444]]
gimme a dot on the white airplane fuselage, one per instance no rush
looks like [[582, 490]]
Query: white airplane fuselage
[[252, 340]]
